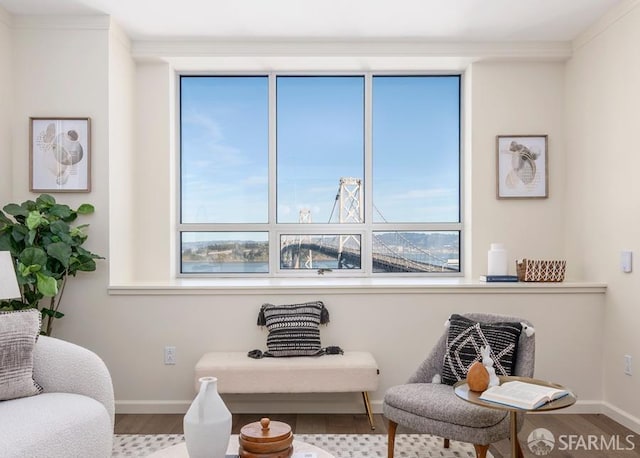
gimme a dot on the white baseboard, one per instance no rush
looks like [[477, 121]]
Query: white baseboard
[[622, 417], [300, 407], [600, 407], [581, 406], [339, 403], [149, 407], [305, 406]]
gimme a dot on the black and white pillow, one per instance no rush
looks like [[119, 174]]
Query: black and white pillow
[[466, 337], [19, 332], [293, 328]]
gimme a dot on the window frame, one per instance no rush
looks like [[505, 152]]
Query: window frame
[[275, 230]]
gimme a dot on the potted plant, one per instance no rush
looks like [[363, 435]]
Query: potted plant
[[47, 250]]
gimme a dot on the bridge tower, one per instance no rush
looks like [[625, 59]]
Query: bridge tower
[[304, 217], [351, 211], [350, 199]]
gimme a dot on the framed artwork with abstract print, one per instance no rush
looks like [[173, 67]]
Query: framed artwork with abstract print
[[522, 163], [60, 155]]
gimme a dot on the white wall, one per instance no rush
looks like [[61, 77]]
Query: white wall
[[503, 98], [516, 98], [121, 147], [397, 325], [154, 197], [603, 190], [63, 71], [6, 102]]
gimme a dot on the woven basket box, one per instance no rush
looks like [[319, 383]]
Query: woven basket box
[[538, 270]]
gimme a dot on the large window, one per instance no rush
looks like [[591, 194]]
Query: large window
[[340, 174]]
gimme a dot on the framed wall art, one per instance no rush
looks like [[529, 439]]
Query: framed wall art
[[60, 155], [522, 167]]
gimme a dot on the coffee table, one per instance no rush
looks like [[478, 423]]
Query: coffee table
[[300, 450], [462, 391]]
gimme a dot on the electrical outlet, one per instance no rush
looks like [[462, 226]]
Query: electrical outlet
[[627, 364], [169, 355]]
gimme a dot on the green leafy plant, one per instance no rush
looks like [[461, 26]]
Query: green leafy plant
[[47, 250]]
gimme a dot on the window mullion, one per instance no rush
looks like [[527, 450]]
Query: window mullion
[[274, 255], [367, 242]]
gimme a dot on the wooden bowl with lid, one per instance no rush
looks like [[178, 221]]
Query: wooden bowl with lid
[[266, 439]]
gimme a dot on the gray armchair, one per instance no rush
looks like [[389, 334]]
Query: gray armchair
[[433, 408]]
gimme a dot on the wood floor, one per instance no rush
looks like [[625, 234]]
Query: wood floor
[[581, 436]]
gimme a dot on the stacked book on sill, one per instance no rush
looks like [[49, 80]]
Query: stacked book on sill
[[498, 278]]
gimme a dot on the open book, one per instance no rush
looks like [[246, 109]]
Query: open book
[[522, 394]]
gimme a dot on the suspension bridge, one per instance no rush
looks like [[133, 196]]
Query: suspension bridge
[[391, 251]]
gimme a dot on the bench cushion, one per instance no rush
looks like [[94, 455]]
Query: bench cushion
[[237, 373]]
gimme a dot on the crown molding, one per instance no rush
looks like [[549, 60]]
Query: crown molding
[[350, 48], [119, 35], [92, 22], [609, 19]]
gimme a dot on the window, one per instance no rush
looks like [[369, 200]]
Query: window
[[287, 174]]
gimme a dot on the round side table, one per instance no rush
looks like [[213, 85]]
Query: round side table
[[462, 390]]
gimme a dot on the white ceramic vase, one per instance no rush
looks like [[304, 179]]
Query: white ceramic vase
[[207, 424]]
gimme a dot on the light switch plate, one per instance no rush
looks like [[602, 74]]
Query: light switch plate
[[626, 261]]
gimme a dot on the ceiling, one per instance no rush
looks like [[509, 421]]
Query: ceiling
[[433, 20]]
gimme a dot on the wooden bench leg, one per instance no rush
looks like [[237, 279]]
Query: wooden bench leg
[[367, 407]]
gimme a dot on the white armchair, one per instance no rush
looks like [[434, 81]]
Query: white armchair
[[74, 415]]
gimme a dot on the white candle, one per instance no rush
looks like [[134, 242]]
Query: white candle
[[497, 260]]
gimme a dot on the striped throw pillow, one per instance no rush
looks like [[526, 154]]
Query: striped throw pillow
[[19, 331], [294, 328]]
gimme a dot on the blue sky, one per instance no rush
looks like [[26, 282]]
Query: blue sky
[[224, 139], [320, 138], [415, 148]]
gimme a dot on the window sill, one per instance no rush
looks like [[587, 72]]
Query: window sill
[[328, 286]]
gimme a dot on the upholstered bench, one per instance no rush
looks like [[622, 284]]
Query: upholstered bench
[[353, 371]]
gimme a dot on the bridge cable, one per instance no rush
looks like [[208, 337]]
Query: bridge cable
[[335, 202], [411, 244]]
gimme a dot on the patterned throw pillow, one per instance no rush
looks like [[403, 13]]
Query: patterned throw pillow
[[293, 329], [464, 340], [18, 334]]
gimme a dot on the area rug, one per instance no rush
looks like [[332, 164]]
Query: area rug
[[339, 445]]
